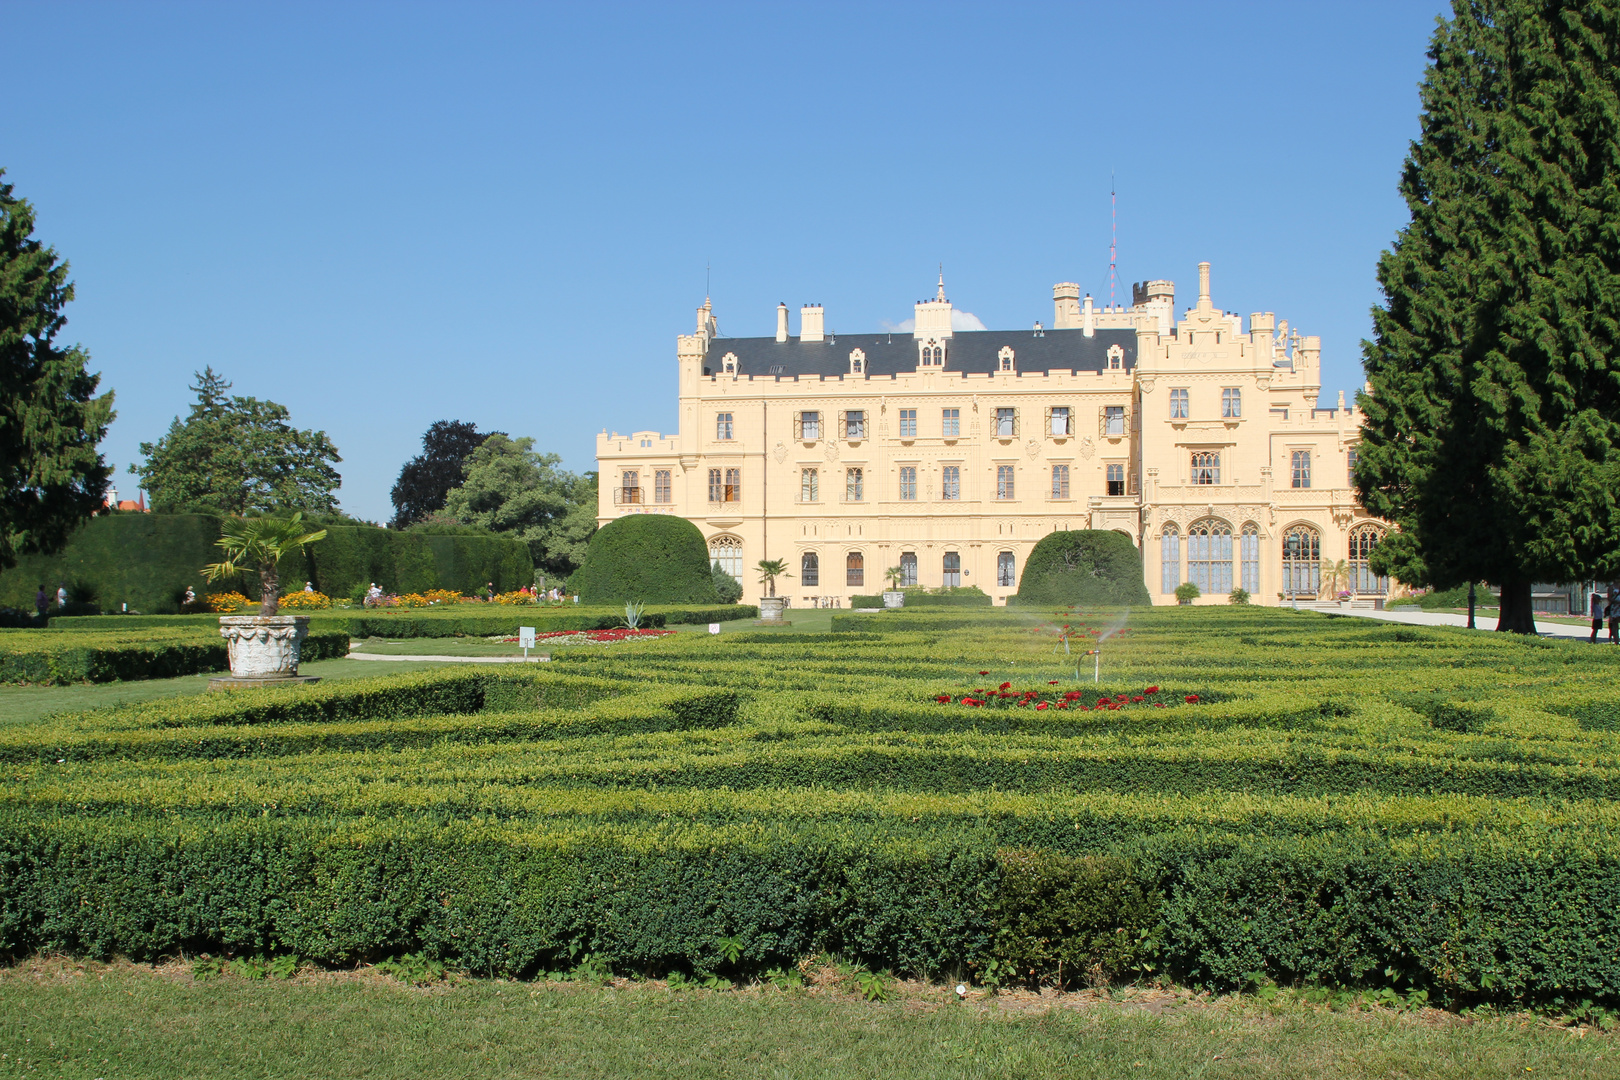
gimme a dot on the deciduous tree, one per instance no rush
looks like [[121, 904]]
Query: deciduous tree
[[1493, 416], [51, 476], [510, 487], [428, 478], [233, 455]]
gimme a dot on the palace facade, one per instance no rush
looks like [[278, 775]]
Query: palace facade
[[950, 453]]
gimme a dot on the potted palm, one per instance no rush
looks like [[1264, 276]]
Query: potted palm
[[771, 605], [892, 596], [263, 647]]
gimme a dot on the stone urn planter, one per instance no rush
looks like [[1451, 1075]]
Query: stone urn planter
[[264, 650], [894, 598], [771, 609]]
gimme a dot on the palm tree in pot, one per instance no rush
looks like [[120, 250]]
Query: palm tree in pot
[[769, 571], [264, 646]]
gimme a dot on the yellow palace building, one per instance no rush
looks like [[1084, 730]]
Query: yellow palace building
[[950, 453]]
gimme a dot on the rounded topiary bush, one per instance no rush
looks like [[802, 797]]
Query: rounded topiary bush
[[650, 558], [1083, 566]]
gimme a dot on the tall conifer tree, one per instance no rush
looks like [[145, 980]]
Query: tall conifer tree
[[52, 478], [1493, 410]]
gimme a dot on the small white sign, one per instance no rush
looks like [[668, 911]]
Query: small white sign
[[526, 637], [714, 628]]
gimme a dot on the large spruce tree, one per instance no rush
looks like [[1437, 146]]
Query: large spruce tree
[[52, 477], [1493, 408]]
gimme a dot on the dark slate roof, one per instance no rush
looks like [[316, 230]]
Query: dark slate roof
[[891, 354]]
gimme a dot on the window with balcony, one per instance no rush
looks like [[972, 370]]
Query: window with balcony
[[908, 569], [950, 482], [1061, 423], [809, 426], [1060, 481], [1006, 423], [1004, 481], [1300, 464], [662, 489], [1180, 406], [722, 425], [953, 570], [1116, 479], [855, 424], [1206, 468], [908, 423], [630, 491], [854, 569], [725, 485], [809, 485], [950, 424], [854, 484], [908, 482], [810, 569], [1231, 403], [1006, 577], [1113, 420]]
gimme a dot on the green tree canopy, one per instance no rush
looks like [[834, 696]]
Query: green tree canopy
[[235, 455], [509, 487], [427, 478], [51, 476], [1492, 435]]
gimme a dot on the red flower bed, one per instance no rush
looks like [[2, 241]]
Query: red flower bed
[[600, 637], [1042, 699]]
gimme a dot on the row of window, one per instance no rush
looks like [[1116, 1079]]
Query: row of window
[[950, 482], [1231, 403], [1206, 468], [1210, 559], [726, 551], [853, 424]]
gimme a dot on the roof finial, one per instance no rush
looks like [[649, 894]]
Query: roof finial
[[941, 294]]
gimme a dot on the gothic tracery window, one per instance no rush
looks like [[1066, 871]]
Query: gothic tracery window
[[1302, 561], [1249, 556], [1169, 559], [1363, 538], [1209, 556], [727, 551]]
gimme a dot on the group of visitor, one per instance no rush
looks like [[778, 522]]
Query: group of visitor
[[1606, 607], [42, 599]]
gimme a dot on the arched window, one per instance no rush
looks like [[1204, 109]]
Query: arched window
[[953, 569], [1249, 556], [1169, 559], [809, 569], [854, 569], [908, 569], [1209, 557], [1206, 467], [727, 551], [1006, 577], [1302, 561], [1363, 538]]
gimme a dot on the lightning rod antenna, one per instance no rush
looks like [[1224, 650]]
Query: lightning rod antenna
[[1113, 238]]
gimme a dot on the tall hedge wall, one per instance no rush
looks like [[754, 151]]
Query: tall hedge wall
[[651, 558], [147, 560], [1083, 566]]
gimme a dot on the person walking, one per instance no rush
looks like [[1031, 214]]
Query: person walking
[[1614, 615], [42, 600], [61, 594], [1598, 608]]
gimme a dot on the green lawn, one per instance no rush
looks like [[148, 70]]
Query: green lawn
[[90, 1021]]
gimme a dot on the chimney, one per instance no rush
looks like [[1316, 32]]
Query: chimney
[[781, 322], [810, 323], [1065, 305], [1203, 285], [1089, 318]]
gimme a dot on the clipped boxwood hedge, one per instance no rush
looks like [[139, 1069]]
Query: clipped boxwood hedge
[[49, 657], [647, 558], [1083, 566], [459, 620]]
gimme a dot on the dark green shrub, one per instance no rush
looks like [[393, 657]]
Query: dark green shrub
[[650, 558], [726, 587], [865, 601], [1083, 566], [960, 596], [1070, 919]]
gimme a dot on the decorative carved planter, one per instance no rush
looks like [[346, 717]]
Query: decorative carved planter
[[771, 608], [263, 648], [893, 598]]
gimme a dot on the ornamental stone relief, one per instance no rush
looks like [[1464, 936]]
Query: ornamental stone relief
[[1087, 447], [832, 450], [1033, 449], [780, 453]]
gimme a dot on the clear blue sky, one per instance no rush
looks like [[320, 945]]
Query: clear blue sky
[[381, 215]]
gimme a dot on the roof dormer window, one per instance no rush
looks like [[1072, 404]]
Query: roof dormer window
[[931, 353], [1004, 359], [1116, 358], [728, 364], [857, 362]]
